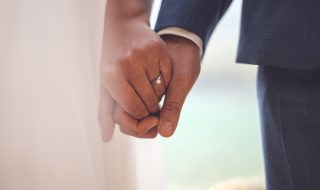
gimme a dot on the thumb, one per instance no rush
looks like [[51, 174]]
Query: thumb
[[106, 108], [185, 61], [173, 102]]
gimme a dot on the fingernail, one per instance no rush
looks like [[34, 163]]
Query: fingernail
[[166, 127]]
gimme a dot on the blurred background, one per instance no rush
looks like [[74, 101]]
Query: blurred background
[[49, 133], [219, 133]]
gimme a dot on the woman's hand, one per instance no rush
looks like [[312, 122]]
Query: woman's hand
[[133, 57]]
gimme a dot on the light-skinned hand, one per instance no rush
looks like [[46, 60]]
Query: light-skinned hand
[[133, 56]]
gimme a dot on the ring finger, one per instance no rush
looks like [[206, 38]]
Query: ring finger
[[158, 86]]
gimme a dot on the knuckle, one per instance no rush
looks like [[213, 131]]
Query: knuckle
[[172, 107], [138, 133], [135, 132], [141, 114], [130, 61], [137, 112], [110, 77], [131, 131], [122, 65], [183, 74], [187, 78], [128, 58], [152, 133]]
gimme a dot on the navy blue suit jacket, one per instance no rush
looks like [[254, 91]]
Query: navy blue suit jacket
[[283, 33]]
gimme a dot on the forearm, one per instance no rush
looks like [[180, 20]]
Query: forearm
[[122, 10]]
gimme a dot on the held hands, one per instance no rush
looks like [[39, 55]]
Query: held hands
[[133, 57]]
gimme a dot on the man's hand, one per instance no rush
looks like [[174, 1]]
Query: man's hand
[[133, 55], [185, 59]]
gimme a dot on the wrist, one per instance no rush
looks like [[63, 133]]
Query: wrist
[[126, 10], [182, 43]]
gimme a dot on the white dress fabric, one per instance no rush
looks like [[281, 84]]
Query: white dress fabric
[[49, 134]]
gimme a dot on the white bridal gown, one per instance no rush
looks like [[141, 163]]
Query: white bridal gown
[[49, 134]]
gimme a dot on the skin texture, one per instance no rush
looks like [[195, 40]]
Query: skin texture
[[185, 59], [134, 55], [132, 59]]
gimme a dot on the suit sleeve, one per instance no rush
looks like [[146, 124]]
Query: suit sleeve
[[197, 16]]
